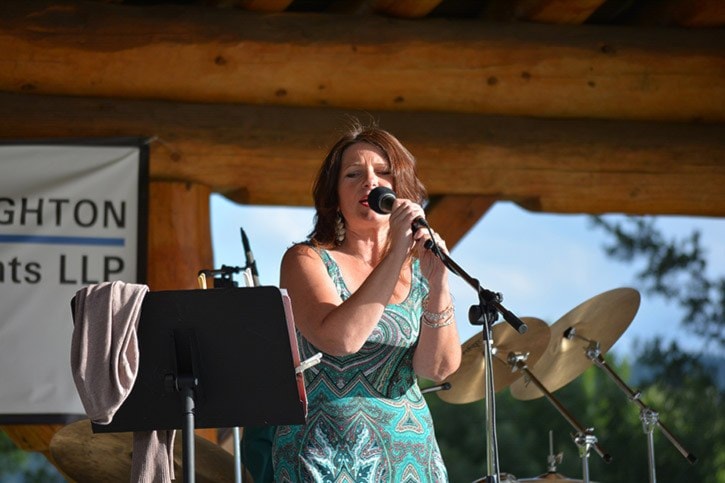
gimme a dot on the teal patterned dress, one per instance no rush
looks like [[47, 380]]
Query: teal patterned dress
[[367, 420]]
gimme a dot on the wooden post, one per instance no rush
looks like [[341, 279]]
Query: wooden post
[[179, 234]]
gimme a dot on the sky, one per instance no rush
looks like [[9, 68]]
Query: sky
[[543, 264]]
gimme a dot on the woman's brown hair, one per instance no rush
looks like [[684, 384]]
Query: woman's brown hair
[[402, 165]]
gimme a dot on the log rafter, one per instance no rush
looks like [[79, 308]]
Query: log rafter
[[269, 155], [546, 11], [405, 8], [685, 13], [229, 56], [468, 210]]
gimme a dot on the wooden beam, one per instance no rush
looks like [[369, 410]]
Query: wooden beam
[[685, 13], [265, 6], [405, 8], [453, 216], [560, 11], [269, 155], [370, 62], [546, 11]]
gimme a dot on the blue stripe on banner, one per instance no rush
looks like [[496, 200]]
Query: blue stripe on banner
[[63, 240]]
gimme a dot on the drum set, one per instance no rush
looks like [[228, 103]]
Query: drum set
[[536, 362]]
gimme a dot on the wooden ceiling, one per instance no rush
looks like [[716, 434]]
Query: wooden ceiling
[[568, 106]]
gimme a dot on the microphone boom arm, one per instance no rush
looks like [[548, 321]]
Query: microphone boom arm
[[487, 297]]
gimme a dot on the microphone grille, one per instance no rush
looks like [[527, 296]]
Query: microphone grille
[[376, 197]]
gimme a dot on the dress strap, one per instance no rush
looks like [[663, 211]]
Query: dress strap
[[333, 270]]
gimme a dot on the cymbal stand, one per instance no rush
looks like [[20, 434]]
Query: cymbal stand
[[484, 314], [585, 442], [552, 459], [226, 280], [649, 417], [584, 437]]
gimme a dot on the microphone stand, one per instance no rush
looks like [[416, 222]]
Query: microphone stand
[[487, 298], [484, 314], [251, 263]]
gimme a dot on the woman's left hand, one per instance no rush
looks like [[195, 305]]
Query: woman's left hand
[[432, 267], [438, 354]]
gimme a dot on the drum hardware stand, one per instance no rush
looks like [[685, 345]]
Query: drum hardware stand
[[649, 420], [440, 387], [585, 442], [584, 437], [649, 417], [552, 459], [484, 314], [224, 279]]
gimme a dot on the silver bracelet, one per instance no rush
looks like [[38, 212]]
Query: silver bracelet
[[434, 317], [437, 325]]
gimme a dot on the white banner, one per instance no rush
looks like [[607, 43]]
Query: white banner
[[70, 216]]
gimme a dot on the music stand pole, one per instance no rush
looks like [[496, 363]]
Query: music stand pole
[[186, 385], [237, 442]]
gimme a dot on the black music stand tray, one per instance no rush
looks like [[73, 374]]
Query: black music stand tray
[[212, 359]]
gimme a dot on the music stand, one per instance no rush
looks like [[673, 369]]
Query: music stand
[[212, 359]]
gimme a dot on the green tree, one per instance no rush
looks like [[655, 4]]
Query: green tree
[[674, 269], [686, 386]]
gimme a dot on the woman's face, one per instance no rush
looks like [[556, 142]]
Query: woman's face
[[363, 168]]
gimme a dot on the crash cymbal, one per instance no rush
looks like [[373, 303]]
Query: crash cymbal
[[552, 476], [602, 318], [85, 456], [468, 382]]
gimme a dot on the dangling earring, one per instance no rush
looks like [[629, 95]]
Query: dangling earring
[[339, 229]]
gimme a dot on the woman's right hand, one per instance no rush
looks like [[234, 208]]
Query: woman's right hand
[[402, 216]]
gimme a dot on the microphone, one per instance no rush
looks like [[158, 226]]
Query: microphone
[[381, 201], [251, 264]]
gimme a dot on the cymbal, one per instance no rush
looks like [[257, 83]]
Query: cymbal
[[602, 318], [468, 383], [505, 478], [551, 476], [85, 456]]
